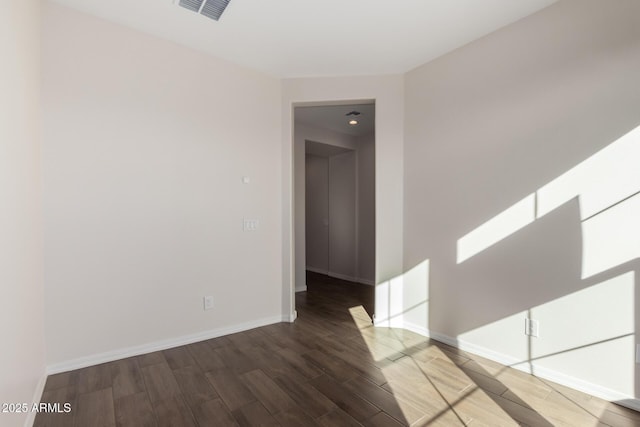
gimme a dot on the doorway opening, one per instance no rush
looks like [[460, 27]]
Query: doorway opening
[[334, 193]]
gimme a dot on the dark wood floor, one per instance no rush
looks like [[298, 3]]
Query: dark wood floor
[[329, 368]]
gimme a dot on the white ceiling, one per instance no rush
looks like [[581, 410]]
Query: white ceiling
[[334, 117], [303, 38]]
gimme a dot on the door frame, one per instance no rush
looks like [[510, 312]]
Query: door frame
[[298, 177], [389, 95]]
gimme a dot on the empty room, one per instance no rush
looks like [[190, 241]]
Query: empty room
[[240, 212]]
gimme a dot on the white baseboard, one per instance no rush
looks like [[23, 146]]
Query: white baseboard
[[109, 356], [37, 396], [351, 278], [331, 274], [629, 403], [301, 288], [583, 386], [340, 276], [316, 270], [420, 330], [292, 317], [542, 372]]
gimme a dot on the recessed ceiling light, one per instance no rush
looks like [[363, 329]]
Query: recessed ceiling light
[[353, 122]]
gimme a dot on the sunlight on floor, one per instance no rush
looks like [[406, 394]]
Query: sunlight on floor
[[457, 388], [424, 378]]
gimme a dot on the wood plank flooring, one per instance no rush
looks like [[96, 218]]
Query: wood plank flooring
[[329, 368]]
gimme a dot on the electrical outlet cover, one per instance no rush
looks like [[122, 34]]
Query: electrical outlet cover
[[531, 327]]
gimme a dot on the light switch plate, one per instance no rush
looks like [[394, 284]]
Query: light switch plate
[[250, 224]]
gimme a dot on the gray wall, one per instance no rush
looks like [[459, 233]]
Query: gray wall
[[342, 216], [366, 159], [317, 213], [487, 127]]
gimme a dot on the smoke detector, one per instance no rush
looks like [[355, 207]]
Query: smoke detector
[[210, 8]]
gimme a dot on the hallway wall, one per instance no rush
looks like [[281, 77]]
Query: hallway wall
[[342, 216], [366, 160], [316, 212]]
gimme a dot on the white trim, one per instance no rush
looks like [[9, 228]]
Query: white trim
[[420, 330], [351, 278], [316, 270], [301, 288], [542, 372], [583, 386], [365, 281], [342, 276], [37, 396], [292, 317], [339, 276], [109, 356], [478, 350], [356, 202], [629, 403]]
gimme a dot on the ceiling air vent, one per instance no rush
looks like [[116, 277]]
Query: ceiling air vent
[[194, 5], [210, 8]]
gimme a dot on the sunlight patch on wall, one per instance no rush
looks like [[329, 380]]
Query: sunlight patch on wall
[[497, 228], [590, 334], [607, 186], [611, 238], [404, 298], [415, 298], [602, 180], [504, 336], [389, 299]]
